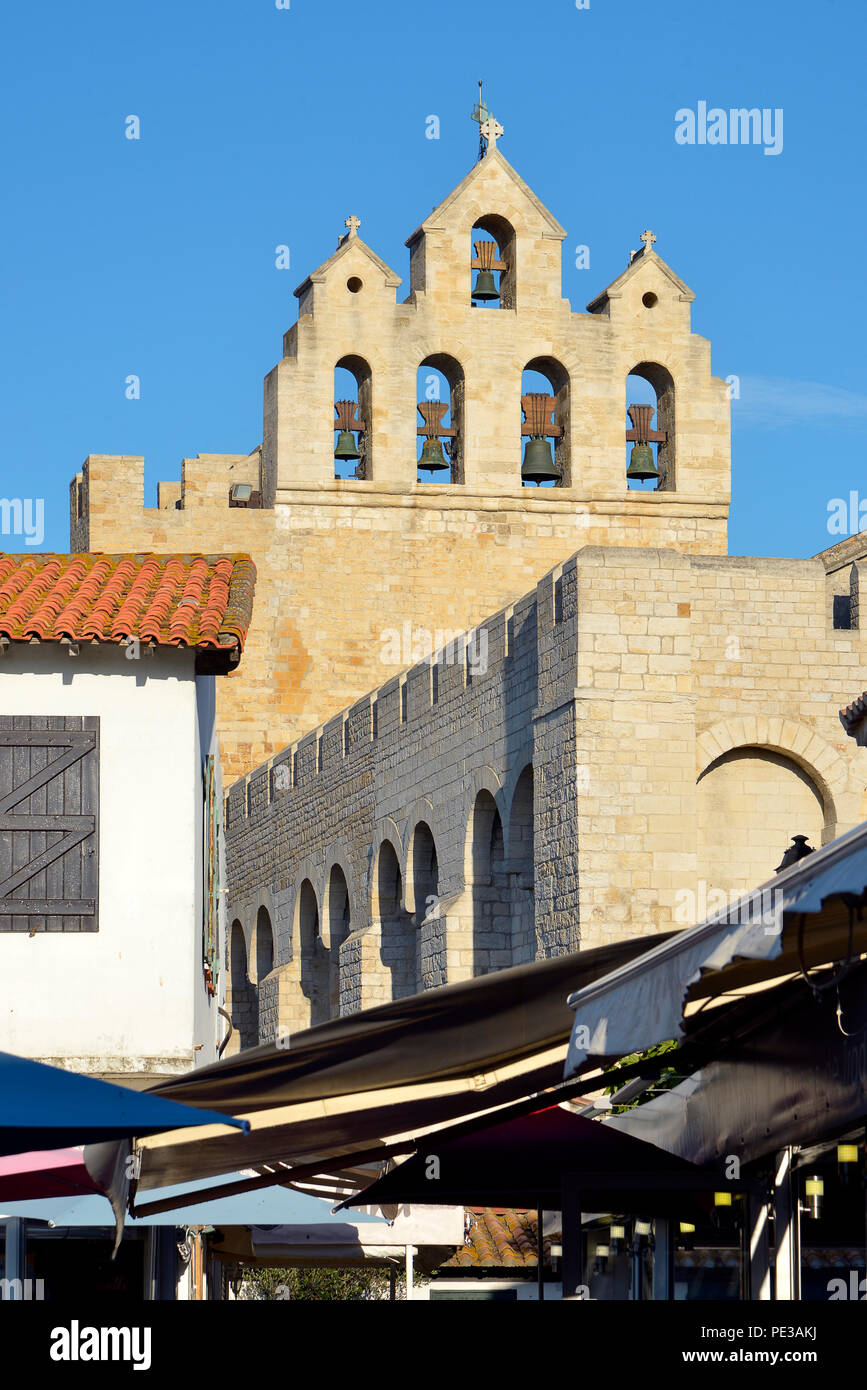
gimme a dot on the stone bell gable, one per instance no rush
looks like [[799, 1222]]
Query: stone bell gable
[[344, 561], [349, 317], [493, 193]]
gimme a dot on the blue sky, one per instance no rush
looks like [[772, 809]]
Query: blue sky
[[263, 126]]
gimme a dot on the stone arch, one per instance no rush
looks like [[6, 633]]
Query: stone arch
[[438, 823], [520, 864], [560, 389], [450, 368], [484, 780], [521, 828], [388, 835], [660, 379], [503, 233], [267, 1004], [313, 955], [793, 739], [422, 869], [263, 951], [423, 883], [337, 912], [750, 801], [490, 905], [241, 994], [397, 931]]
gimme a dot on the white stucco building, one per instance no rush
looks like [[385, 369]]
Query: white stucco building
[[111, 851]]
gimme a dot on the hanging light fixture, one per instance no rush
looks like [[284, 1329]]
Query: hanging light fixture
[[617, 1236], [814, 1191], [723, 1210], [687, 1231], [642, 1236], [848, 1162]]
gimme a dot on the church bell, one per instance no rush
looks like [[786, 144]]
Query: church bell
[[539, 466], [485, 287], [432, 456], [346, 446], [641, 465]]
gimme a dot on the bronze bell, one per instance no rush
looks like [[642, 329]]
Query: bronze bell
[[485, 287], [346, 446], [432, 456], [539, 466], [641, 465]]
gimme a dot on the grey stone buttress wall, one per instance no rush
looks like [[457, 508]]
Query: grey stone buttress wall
[[418, 752]]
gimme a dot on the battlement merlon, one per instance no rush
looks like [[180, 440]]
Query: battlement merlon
[[108, 496]]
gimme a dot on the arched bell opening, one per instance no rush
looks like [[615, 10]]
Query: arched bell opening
[[545, 403], [492, 263], [440, 429], [314, 957], [353, 450], [650, 432]]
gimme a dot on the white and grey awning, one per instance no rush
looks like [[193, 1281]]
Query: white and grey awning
[[807, 916]]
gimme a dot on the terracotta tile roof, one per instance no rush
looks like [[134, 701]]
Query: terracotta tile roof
[[854, 713], [201, 601], [498, 1238]]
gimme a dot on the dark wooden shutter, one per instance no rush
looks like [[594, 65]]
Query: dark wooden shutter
[[49, 823]]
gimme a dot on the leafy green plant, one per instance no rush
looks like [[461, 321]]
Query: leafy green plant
[[667, 1078], [319, 1283]]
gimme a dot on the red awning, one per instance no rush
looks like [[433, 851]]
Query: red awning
[[44, 1173]]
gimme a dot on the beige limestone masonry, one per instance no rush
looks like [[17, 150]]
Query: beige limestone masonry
[[648, 732], [343, 565]]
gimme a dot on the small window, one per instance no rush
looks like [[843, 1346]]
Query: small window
[[842, 611]]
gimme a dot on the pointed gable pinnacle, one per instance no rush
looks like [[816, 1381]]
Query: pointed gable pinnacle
[[483, 170], [349, 241], [636, 260]]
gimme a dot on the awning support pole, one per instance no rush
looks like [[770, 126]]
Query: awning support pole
[[14, 1255], [759, 1251], [787, 1229], [410, 1295], [573, 1264], [540, 1255], [663, 1260], [636, 1265]]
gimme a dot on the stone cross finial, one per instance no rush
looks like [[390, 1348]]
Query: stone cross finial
[[491, 130], [353, 223], [648, 238]]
